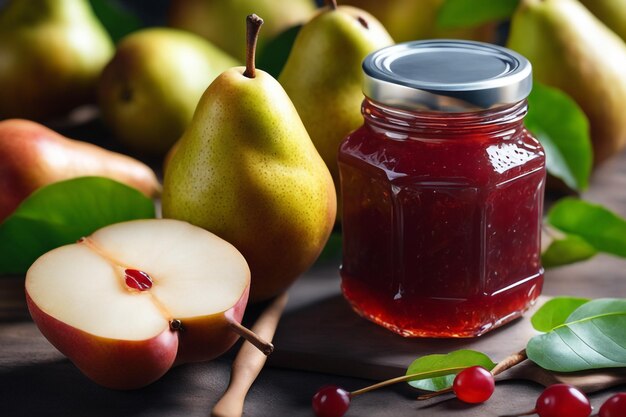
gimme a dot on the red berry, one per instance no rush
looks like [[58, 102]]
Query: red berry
[[331, 401], [474, 385], [615, 406], [561, 400], [137, 280]]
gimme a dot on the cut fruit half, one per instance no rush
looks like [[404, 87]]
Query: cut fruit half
[[132, 299]]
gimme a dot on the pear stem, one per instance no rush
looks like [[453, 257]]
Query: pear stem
[[249, 363], [332, 4], [257, 341], [253, 25]]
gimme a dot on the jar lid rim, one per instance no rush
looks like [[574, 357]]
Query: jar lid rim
[[446, 75]]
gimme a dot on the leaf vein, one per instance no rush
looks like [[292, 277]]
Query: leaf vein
[[572, 349], [614, 313], [607, 336], [591, 347]]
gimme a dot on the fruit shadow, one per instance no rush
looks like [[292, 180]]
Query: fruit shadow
[[325, 335], [58, 388]]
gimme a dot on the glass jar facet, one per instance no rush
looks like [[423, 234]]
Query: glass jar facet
[[441, 219]]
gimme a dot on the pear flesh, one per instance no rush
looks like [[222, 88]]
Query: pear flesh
[[246, 170], [572, 50], [51, 54], [323, 75]]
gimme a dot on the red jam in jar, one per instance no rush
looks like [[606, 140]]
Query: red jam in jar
[[442, 191]]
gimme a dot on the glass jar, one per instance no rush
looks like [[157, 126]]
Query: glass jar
[[442, 191]]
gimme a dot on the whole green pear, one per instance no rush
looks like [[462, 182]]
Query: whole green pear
[[572, 50], [409, 20], [611, 12], [149, 90], [323, 75], [246, 170], [51, 55], [222, 22]]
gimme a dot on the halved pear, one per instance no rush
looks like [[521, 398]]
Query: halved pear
[[135, 298]]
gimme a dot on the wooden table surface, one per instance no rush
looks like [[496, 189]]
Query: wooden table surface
[[36, 380]]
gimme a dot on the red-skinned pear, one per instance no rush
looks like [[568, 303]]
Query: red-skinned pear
[[31, 156], [135, 298], [246, 170]]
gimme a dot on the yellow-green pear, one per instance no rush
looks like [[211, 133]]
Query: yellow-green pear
[[323, 75], [150, 89], [51, 55], [611, 12], [223, 21], [246, 170], [572, 50], [409, 20]]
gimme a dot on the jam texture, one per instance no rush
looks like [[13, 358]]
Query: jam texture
[[441, 220]]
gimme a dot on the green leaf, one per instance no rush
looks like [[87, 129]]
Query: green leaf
[[598, 306], [598, 226], [273, 56], [567, 250], [555, 312], [459, 358], [62, 213], [563, 130], [593, 337], [116, 18], [467, 13]]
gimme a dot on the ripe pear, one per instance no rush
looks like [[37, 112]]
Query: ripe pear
[[31, 156], [222, 22], [323, 75], [246, 170], [611, 12], [572, 50], [51, 55], [150, 89], [408, 20]]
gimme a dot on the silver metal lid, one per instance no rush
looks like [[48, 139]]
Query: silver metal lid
[[446, 75]]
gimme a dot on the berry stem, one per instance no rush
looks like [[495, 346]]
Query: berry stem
[[509, 362], [409, 377], [332, 4], [503, 365], [253, 26], [434, 394], [257, 341]]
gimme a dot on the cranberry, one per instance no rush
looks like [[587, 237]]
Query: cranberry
[[561, 400], [615, 406], [474, 385], [331, 401]]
